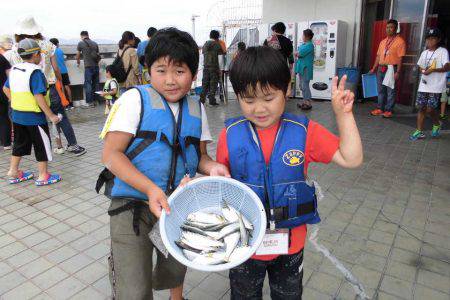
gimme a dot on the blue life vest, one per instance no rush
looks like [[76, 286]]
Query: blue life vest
[[281, 184], [156, 147]]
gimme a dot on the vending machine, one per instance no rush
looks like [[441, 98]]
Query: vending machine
[[329, 54]]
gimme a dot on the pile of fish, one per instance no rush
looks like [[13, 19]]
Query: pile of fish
[[213, 239]]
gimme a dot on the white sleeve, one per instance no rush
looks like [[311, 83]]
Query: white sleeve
[[112, 85], [206, 134], [421, 62], [126, 118], [444, 57]]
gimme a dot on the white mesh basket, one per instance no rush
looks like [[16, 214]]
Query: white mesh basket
[[206, 194]]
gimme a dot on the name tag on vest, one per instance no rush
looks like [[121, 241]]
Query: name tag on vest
[[275, 242]]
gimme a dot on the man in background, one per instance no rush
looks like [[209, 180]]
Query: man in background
[[91, 57]]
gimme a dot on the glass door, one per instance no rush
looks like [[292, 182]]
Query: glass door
[[412, 15]]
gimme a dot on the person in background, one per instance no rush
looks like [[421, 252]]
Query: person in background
[[5, 66], [390, 52], [241, 46], [281, 43], [91, 57], [26, 88], [445, 99], [137, 41], [433, 64], [141, 48], [304, 67], [211, 70], [60, 59], [28, 28], [130, 60], [110, 90]]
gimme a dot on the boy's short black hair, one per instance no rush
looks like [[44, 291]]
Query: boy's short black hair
[[214, 34], [84, 33], [109, 69], [27, 56], [393, 21], [241, 46], [177, 45], [279, 27], [151, 31], [259, 65], [54, 41], [308, 33]]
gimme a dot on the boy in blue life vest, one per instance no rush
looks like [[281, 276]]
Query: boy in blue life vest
[[26, 88], [154, 135], [269, 150]]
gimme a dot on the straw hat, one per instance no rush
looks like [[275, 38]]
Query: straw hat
[[27, 25]]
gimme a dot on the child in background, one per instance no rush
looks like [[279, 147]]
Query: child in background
[[445, 99], [433, 63], [270, 150], [110, 90], [27, 89]]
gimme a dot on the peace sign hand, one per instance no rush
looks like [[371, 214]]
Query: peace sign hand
[[341, 99]]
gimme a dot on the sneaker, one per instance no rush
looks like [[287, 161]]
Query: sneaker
[[443, 117], [58, 150], [376, 112], [7, 147], [214, 104], [435, 130], [387, 114], [76, 150], [416, 135], [85, 106]]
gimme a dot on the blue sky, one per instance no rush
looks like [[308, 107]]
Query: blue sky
[[108, 19]]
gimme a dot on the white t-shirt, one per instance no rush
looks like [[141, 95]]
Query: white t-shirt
[[436, 82], [126, 118]]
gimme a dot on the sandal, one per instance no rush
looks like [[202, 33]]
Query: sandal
[[51, 179], [306, 106], [23, 176]]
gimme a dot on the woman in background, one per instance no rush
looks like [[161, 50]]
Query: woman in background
[[304, 68]]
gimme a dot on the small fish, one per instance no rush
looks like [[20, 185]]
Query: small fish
[[234, 227], [243, 231], [189, 245], [231, 241], [232, 215], [200, 240], [184, 246], [239, 253], [206, 218], [229, 212]]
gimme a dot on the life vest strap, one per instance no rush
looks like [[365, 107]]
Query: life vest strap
[[282, 213]]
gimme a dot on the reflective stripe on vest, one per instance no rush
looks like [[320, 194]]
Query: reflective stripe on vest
[[155, 137], [281, 184], [22, 99], [107, 88]]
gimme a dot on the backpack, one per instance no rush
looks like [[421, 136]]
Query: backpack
[[93, 53], [118, 68]]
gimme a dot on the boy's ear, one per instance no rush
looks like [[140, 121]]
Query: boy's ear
[[194, 78], [289, 90]]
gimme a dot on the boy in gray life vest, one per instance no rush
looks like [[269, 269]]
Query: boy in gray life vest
[[154, 135]]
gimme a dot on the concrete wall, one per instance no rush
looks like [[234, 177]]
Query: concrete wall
[[305, 10]]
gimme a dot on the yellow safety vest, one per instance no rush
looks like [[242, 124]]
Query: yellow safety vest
[[107, 88], [22, 99]]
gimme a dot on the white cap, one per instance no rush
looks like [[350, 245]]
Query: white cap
[[27, 25]]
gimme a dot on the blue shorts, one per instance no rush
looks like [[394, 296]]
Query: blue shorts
[[431, 100]]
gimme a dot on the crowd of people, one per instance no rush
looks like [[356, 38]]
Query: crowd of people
[[155, 137]]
